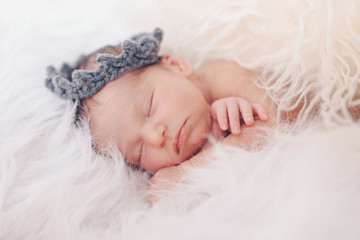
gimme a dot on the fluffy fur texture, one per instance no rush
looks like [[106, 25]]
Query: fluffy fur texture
[[303, 185]]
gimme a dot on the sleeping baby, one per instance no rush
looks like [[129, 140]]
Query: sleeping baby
[[158, 111]]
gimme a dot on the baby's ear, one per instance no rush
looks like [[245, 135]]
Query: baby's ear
[[178, 64]]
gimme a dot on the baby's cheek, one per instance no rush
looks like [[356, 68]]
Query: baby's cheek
[[157, 159], [199, 135]]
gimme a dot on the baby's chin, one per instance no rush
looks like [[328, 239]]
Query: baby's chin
[[195, 149]]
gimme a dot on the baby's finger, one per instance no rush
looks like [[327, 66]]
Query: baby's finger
[[220, 114], [234, 117], [246, 112], [260, 111]]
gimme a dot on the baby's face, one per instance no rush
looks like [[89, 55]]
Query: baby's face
[[157, 119]]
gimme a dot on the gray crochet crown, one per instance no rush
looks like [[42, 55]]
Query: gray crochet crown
[[139, 51]]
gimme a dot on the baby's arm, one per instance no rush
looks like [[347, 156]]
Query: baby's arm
[[228, 113]]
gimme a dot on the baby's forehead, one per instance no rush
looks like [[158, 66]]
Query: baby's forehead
[[127, 88], [128, 82]]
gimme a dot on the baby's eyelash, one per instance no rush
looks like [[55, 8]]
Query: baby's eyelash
[[140, 153], [150, 104]]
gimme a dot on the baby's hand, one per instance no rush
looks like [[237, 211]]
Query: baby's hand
[[230, 111]]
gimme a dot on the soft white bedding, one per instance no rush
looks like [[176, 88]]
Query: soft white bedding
[[304, 185]]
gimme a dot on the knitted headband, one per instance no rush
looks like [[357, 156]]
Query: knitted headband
[[139, 51]]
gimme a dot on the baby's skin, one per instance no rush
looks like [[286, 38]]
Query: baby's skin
[[160, 117]]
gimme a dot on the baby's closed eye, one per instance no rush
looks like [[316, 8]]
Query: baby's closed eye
[[148, 104]]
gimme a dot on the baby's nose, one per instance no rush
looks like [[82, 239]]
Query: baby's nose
[[156, 135]]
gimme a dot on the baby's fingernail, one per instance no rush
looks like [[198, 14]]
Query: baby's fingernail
[[223, 126], [265, 116], [236, 130], [250, 119]]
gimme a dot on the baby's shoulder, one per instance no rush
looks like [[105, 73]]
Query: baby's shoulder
[[221, 64], [226, 68], [227, 72], [226, 78]]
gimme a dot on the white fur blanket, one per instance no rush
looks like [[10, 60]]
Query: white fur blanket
[[304, 185]]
